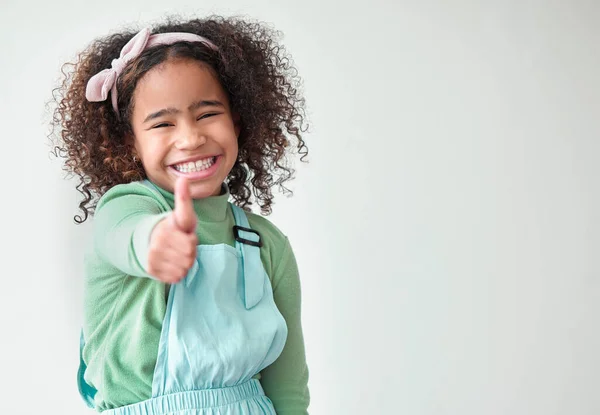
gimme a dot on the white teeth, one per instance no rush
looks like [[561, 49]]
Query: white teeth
[[197, 166]]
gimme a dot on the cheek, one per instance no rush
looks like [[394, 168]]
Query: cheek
[[151, 148], [226, 136]]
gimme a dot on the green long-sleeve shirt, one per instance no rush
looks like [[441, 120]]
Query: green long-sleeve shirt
[[125, 306]]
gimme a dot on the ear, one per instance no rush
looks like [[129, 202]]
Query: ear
[[130, 140], [134, 153], [237, 124]]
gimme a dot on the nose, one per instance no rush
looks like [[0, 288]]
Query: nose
[[190, 139]]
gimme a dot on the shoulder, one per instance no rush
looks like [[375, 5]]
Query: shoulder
[[276, 251], [270, 233], [134, 194]]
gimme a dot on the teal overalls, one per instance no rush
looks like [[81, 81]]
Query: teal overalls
[[221, 327]]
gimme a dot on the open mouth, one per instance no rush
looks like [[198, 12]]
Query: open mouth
[[195, 166]]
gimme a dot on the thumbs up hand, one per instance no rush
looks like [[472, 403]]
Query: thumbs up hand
[[173, 240]]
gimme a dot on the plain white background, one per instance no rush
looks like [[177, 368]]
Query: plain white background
[[446, 227]]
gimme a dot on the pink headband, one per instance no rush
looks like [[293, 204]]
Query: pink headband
[[106, 80]]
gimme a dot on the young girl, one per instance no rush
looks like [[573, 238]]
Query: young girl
[[192, 304]]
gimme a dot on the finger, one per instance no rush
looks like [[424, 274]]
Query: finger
[[184, 243], [169, 272], [177, 256], [183, 214]]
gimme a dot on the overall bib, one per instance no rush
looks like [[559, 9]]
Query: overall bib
[[221, 327]]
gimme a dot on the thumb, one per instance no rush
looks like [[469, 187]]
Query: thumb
[[183, 214]]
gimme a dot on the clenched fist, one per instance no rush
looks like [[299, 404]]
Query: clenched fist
[[173, 240]]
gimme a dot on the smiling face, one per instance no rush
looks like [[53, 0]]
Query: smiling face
[[183, 126]]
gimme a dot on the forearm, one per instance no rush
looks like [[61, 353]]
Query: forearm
[[122, 230]]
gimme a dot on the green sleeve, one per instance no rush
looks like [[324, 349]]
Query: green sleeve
[[123, 222], [286, 381]]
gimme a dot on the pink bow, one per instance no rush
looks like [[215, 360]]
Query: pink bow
[[104, 81]]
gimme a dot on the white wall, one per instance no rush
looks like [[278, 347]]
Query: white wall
[[446, 228]]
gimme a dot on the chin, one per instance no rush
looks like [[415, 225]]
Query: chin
[[201, 191]]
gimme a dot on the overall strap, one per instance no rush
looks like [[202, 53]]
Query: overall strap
[[248, 243]]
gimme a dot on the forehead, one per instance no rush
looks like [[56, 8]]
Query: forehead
[[176, 83]]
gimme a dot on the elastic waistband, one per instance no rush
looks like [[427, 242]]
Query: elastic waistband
[[197, 399]]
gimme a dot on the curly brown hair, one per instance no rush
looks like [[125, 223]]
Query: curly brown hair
[[254, 70]]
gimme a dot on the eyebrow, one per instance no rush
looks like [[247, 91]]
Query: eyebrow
[[194, 106]]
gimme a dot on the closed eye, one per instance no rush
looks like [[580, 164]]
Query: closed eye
[[208, 115], [164, 124]]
